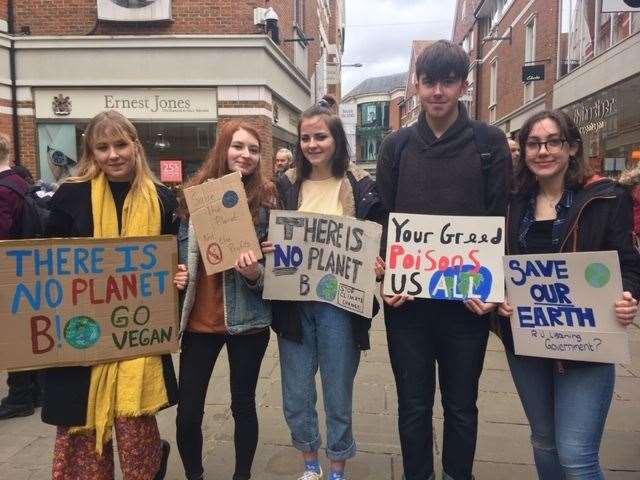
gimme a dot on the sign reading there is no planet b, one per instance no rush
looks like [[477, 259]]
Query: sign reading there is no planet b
[[322, 258], [83, 301]]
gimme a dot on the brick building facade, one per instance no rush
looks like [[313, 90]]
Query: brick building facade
[[590, 59], [178, 79], [410, 106], [501, 37]]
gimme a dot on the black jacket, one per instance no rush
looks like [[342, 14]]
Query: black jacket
[[419, 173], [359, 198], [66, 389], [600, 218]]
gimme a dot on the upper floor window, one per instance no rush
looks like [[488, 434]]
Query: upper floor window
[[494, 10], [529, 55], [586, 32], [465, 44], [298, 13], [493, 86]]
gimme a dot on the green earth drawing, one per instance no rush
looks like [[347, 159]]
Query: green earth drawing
[[597, 275], [327, 287], [82, 332]]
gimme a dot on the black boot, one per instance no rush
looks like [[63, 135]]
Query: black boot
[[162, 471], [9, 410]]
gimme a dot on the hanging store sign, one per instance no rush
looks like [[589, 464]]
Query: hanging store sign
[[620, 6], [134, 10], [532, 73], [134, 103]]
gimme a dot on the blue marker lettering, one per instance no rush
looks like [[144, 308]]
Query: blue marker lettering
[[127, 252], [19, 255]]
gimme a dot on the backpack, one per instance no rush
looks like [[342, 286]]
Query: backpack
[[35, 212], [481, 139]]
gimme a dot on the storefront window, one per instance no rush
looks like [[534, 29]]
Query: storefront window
[[373, 125], [58, 151], [60, 146], [609, 122]]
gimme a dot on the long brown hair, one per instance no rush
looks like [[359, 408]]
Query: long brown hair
[[260, 192], [579, 169], [111, 124]]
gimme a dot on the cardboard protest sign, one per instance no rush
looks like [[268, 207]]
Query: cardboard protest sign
[[445, 257], [84, 301], [222, 221], [322, 258], [564, 306]]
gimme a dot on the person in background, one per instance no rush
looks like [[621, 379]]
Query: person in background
[[224, 309], [559, 206], [514, 148], [113, 195], [24, 389], [630, 178], [284, 157], [316, 335]]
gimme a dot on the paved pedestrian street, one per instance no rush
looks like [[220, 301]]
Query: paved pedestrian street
[[503, 444]]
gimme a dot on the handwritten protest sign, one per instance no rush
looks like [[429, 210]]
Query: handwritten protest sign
[[222, 221], [322, 258], [84, 301], [564, 306], [445, 257]]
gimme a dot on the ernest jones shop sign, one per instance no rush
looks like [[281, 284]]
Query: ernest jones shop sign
[[136, 104]]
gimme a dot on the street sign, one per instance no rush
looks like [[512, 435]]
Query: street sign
[[532, 73], [620, 6]]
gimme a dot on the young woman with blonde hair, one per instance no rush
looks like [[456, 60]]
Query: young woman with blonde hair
[[114, 194]]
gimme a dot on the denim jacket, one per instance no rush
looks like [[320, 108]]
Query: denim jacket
[[244, 308]]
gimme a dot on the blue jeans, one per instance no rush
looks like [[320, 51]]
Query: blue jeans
[[328, 343], [566, 412], [420, 334]]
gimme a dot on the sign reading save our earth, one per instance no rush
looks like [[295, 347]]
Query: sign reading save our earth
[[445, 257], [564, 306], [322, 258], [84, 301]]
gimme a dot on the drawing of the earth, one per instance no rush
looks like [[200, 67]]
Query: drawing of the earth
[[133, 3], [82, 332], [597, 275], [327, 287]]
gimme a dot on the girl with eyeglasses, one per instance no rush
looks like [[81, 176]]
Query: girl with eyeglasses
[[558, 205]]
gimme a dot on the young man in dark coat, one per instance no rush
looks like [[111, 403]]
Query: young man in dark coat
[[24, 390], [440, 166]]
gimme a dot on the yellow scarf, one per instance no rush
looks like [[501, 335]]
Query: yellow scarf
[[135, 387]]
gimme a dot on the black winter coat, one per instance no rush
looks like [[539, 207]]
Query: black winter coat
[[600, 219], [66, 389], [361, 201]]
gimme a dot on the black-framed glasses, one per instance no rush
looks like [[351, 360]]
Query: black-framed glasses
[[553, 145]]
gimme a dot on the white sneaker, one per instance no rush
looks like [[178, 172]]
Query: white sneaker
[[311, 475]]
